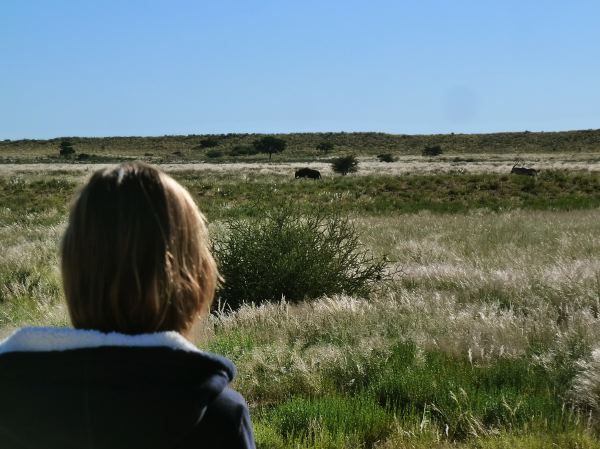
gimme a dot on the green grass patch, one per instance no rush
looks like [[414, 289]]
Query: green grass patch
[[467, 399], [220, 196], [337, 419], [24, 196], [460, 400], [233, 344]]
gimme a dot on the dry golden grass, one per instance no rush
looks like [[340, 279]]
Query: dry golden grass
[[463, 163]]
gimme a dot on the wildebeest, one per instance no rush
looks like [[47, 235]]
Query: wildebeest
[[524, 171], [307, 173]]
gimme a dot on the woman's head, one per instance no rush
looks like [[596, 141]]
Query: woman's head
[[135, 254]]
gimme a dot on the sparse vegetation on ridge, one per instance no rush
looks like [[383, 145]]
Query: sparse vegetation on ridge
[[303, 146]]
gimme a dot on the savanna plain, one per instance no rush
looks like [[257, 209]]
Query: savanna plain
[[484, 332]]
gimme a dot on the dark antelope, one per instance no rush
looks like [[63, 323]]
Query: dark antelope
[[307, 173], [523, 171]]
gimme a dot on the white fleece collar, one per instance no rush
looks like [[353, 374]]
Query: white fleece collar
[[43, 339]]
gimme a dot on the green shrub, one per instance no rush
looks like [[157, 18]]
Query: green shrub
[[209, 142], [243, 150], [435, 150], [287, 254], [344, 165], [214, 153], [66, 148], [387, 157], [325, 147]]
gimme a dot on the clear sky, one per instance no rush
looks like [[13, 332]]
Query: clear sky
[[146, 67]]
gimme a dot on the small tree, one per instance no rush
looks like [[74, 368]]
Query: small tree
[[66, 148], [325, 147], [269, 144], [344, 165], [435, 150]]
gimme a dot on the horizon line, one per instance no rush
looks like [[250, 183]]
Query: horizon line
[[143, 136]]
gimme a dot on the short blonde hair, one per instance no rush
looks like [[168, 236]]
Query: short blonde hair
[[135, 254]]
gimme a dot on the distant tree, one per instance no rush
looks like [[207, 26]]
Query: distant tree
[[435, 150], [344, 165], [66, 148], [269, 144], [387, 157], [209, 142], [325, 147]]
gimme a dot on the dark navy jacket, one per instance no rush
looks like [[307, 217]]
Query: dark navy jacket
[[78, 389]]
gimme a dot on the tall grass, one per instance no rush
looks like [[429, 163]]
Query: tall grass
[[30, 290]]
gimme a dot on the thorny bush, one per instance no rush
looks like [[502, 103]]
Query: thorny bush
[[287, 254]]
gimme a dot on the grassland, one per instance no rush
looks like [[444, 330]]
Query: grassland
[[483, 338], [221, 194]]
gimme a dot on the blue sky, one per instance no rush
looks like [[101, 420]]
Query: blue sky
[[144, 67]]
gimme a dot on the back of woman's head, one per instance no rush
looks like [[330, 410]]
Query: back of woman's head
[[135, 254]]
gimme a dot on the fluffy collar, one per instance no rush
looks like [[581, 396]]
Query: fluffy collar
[[43, 339]]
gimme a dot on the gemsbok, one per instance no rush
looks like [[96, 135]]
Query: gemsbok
[[523, 170]]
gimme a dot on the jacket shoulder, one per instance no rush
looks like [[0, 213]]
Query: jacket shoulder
[[225, 424]]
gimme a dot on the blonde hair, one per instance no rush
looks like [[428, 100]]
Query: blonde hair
[[135, 254]]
